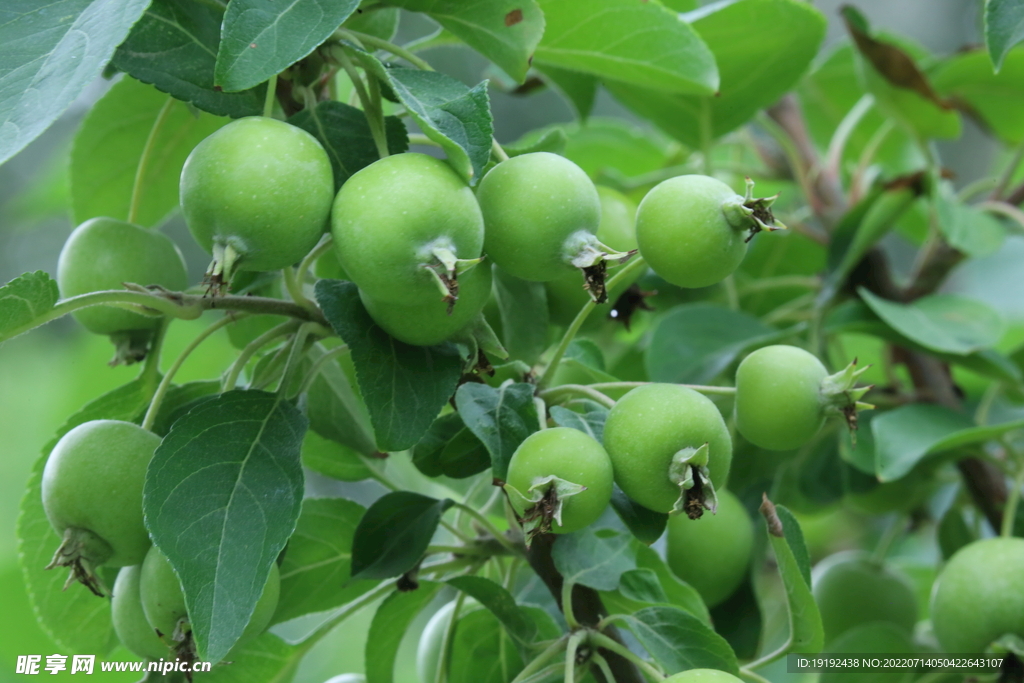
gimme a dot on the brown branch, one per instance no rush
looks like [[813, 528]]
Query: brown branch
[[586, 606], [1017, 196]]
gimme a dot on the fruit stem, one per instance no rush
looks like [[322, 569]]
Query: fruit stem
[[498, 152], [318, 365], [369, 108], [165, 383], [271, 97], [151, 370], [298, 349], [147, 150], [326, 242], [603, 641], [250, 350], [1012, 500], [539, 662], [602, 664], [491, 529], [294, 287], [575, 640], [549, 372]]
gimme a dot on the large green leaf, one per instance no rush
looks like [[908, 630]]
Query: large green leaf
[[577, 87], [404, 386], [1004, 27], [317, 563], [679, 641], [260, 38], [996, 100], [643, 44], [394, 533], [500, 417], [134, 128], [388, 628], [501, 603], [966, 228], [754, 72], [594, 558], [335, 411], [48, 53], [504, 31], [75, 619], [174, 48], [222, 496], [646, 525], [345, 135], [694, 343], [904, 436], [942, 322], [523, 307], [23, 300]]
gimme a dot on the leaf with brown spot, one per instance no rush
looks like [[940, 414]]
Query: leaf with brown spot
[[895, 65], [513, 17]]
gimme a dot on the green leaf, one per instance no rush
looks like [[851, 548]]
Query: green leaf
[[855, 316], [450, 449], [504, 31], [646, 525], [594, 558], [260, 38], [265, 658], [50, 53], [995, 100], [376, 20], [694, 343], [134, 127], [679, 641], [904, 436], [335, 411], [973, 232], [404, 386], [642, 585], [388, 627], [1004, 28], [754, 73], [577, 87], [523, 307], [953, 532], [941, 322], [456, 117], [679, 593], [501, 603], [23, 300], [222, 495], [394, 533], [641, 43], [500, 417], [590, 421], [75, 619], [551, 140], [174, 48], [481, 651], [345, 135], [806, 633], [317, 563], [333, 460]]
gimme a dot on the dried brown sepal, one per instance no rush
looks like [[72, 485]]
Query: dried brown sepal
[[767, 511], [695, 504], [629, 302], [593, 278]]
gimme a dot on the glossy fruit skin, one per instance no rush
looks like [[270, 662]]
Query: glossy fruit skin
[[566, 295], [164, 602], [979, 596], [712, 553], [390, 215], [104, 253], [532, 204], [651, 424], [129, 619], [851, 590], [778, 397], [429, 323], [262, 186], [684, 235], [702, 676], [93, 480], [570, 455]]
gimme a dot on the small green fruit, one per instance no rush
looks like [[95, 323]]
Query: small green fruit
[[129, 619], [712, 553]]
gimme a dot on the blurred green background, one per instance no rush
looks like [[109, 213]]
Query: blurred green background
[[49, 374]]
